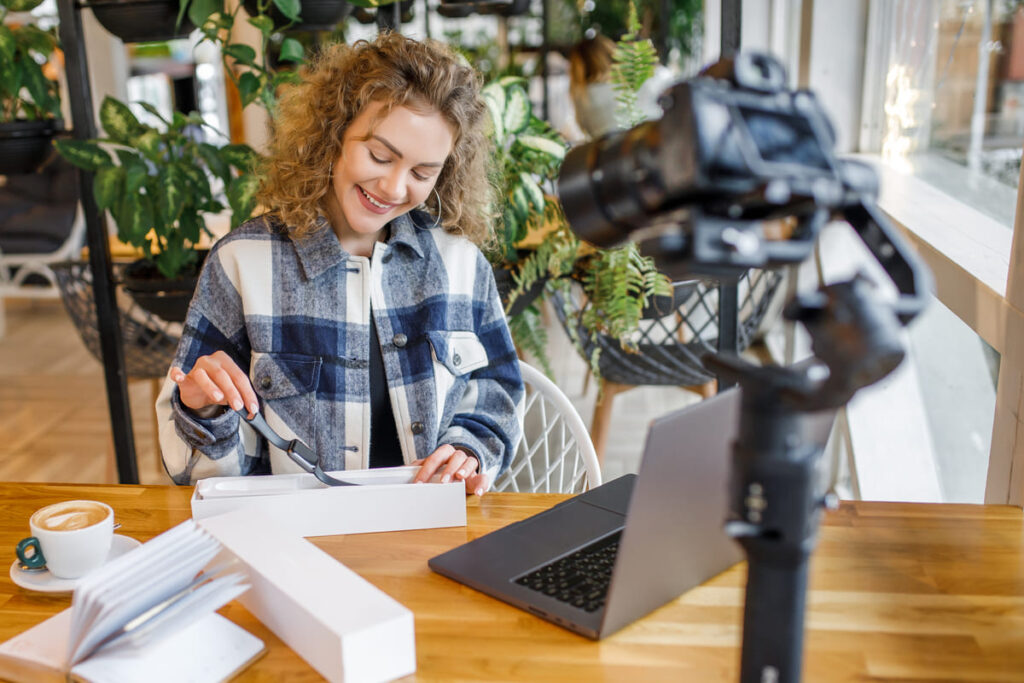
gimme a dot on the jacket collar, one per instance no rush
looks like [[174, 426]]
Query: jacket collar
[[320, 250]]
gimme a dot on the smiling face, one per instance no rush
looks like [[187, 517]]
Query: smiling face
[[385, 169]]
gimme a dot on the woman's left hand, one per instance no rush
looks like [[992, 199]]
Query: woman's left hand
[[452, 463]]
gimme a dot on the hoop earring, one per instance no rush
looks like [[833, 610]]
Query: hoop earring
[[437, 219]]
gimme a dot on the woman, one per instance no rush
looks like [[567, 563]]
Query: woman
[[593, 95], [353, 320]]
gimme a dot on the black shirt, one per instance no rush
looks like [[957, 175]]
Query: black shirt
[[385, 450]]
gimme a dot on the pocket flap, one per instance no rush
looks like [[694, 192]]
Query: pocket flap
[[459, 351], [279, 375]]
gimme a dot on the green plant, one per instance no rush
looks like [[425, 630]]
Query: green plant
[[256, 79], [157, 185], [633, 63], [528, 156], [25, 91], [684, 21]]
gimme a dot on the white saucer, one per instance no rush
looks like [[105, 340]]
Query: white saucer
[[46, 582]]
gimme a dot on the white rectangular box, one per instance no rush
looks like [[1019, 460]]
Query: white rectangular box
[[343, 626], [299, 503]]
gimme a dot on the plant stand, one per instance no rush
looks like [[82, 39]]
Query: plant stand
[[672, 337]]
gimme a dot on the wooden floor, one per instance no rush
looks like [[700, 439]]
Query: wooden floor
[[54, 424]]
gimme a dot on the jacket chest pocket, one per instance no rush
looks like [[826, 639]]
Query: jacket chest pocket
[[284, 375], [460, 352]]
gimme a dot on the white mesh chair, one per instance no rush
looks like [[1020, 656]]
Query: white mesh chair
[[555, 454]]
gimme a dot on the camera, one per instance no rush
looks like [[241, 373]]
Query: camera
[[733, 149]]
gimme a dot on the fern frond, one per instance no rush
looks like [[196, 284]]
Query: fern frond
[[530, 336], [633, 63]]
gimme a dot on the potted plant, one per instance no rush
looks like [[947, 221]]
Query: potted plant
[[29, 101], [142, 21], [535, 248], [300, 15], [157, 187]]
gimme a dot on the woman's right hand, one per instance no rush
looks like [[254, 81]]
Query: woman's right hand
[[215, 380]]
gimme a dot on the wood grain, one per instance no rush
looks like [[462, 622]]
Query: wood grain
[[898, 592]]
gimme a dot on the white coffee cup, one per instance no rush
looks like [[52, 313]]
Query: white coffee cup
[[73, 537]]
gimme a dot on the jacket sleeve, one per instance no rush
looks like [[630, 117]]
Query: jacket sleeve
[[192, 447], [488, 418]]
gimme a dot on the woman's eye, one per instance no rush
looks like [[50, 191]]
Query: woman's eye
[[377, 159], [420, 176]]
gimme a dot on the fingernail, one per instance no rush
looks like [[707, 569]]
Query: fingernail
[[417, 481], [217, 396], [254, 408], [460, 474], [479, 491], [237, 404], [446, 478]]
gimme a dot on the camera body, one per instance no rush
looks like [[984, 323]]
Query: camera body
[[733, 148]]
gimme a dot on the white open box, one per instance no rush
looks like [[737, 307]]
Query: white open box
[[299, 503], [343, 626]]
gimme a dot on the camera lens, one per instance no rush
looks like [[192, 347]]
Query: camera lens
[[602, 185]]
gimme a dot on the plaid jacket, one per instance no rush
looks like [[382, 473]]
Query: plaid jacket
[[296, 315]]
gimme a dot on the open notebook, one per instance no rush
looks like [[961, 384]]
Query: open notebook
[[146, 616]]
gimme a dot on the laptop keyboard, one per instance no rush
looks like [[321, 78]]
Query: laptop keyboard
[[580, 579]]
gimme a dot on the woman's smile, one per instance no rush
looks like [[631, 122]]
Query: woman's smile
[[374, 204]]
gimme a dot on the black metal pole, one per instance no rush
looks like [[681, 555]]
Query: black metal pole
[[664, 19], [732, 14], [80, 94], [545, 15], [389, 17], [728, 321]]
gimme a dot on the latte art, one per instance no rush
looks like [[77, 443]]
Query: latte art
[[69, 516]]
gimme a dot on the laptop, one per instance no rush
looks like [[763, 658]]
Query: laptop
[[607, 557]]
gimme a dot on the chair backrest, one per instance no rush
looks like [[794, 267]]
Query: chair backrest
[[555, 454]]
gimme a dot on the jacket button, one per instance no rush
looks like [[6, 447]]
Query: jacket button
[[400, 340], [456, 360], [417, 427], [266, 382]]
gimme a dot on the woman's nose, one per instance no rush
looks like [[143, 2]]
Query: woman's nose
[[392, 186]]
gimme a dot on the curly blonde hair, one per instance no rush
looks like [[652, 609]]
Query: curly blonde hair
[[397, 71]]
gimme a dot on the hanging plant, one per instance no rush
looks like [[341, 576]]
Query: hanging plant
[[250, 71], [29, 100]]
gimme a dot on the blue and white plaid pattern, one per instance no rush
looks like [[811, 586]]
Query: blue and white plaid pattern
[[296, 314]]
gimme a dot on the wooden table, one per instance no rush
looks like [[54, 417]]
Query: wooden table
[[898, 592]]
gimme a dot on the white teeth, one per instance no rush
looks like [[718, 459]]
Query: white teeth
[[374, 201]]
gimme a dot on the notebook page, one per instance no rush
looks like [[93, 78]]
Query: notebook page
[[131, 588], [88, 589], [208, 650], [205, 598]]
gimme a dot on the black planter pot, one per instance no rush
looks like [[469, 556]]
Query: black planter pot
[[141, 21], [314, 15], [167, 299], [503, 279], [455, 9], [365, 15], [25, 145]]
